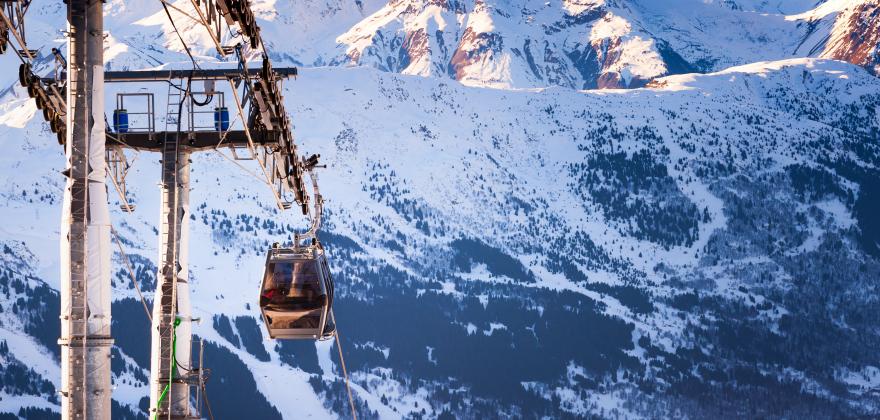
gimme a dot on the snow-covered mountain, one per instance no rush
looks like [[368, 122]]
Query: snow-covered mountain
[[579, 44], [583, 43], [703, 247]]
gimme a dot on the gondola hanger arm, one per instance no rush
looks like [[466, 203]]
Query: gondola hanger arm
[[309, 165]]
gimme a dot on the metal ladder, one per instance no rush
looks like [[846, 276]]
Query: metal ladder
[[175, 97], [168, 265]]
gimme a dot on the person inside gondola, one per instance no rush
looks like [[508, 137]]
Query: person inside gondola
[[278, 286]]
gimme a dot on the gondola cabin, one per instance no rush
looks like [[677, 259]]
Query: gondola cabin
[[297, 293]]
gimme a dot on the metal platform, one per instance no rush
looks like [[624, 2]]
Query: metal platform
[[195, 140]]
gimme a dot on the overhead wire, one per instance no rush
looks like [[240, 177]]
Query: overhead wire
[[207, 402], [342, 363]]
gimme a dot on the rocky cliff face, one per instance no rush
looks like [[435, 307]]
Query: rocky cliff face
[[855, 36]]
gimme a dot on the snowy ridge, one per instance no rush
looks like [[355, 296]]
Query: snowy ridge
[[702, 247], [419, 199], [580, 44], [587, 44]]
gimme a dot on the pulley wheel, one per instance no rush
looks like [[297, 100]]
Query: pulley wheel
[[24, 74]]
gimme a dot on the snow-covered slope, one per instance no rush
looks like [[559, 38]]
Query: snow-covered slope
[[679, 249], [703, 247]]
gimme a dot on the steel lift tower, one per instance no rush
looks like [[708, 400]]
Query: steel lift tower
[[72, 103], [175, 381], [85, 224]]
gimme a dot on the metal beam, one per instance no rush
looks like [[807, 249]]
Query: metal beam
[[193, 141], [199, 74]]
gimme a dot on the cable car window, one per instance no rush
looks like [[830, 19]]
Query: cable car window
[[296, 294]]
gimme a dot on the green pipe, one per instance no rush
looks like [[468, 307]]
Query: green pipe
[[173, 367]]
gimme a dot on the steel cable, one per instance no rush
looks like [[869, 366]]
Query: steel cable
[[342, 363]]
